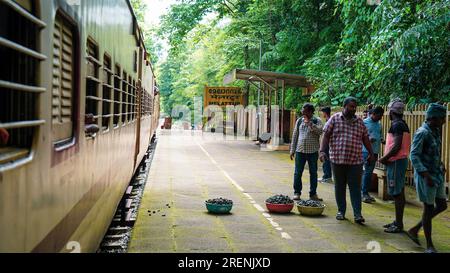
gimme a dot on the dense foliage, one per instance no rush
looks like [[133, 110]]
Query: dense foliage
[[373, 52]]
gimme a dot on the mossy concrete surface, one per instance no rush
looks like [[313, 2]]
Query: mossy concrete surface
[[187, 170]]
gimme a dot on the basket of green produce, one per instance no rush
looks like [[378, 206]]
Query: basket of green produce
[[279, 204], [310, 207], [219, 205]]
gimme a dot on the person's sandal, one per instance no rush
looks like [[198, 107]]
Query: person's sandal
[[340, 216], [360, 220], [393, 229], [431, 250], [413, 237], [391, 224]]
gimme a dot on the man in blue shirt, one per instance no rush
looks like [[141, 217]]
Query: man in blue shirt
[[327, 175], [375, 135], [426, 152]]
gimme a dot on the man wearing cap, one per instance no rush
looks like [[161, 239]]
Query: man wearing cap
[[345, 134], [395, 158], [429, 171]]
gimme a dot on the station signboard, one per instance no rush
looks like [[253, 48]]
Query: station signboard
[[223, 96]]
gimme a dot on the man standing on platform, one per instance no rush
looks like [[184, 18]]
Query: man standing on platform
[[305, 148], [396, 160], [345, 134], [327, 175], [373, 126], [429, 171]]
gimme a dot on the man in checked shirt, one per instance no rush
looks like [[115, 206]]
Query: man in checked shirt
[[305, 148], [344, 135]]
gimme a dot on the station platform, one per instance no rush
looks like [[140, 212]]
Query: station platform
[[188, 169]]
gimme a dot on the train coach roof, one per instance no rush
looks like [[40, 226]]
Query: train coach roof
[[141, 36]]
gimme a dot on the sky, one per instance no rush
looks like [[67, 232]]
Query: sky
[[156, 8]]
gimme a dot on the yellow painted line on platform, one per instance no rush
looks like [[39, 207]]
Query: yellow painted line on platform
[[266, 215]]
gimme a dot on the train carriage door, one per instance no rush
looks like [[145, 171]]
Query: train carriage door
[[138, 67]]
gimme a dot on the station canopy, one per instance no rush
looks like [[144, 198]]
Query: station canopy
[[269, 77], [272, 82]]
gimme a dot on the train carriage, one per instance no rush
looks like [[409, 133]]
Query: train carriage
[[78, 108]]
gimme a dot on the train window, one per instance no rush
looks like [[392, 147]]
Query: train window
[[92, 85], [130, 100], [107, 90], [150, 105], [134, 100], [124, 98], [147, 105], [19, 90], [142, 102], [63, 82], [117, 95], [147, 100]]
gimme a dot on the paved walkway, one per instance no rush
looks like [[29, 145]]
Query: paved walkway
[[188, 170]]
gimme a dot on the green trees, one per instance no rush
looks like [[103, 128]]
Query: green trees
[[397, 49], [373, 52]]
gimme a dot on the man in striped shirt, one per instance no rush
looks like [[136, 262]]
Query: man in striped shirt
[[305, 147], [345, 134]]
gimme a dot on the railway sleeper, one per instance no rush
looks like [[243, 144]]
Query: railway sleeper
[[118, 231]]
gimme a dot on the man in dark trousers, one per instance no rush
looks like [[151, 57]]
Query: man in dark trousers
[[426, 151], [374, 129], [327, 174], [395, 159], [345, 134], [305, 148]]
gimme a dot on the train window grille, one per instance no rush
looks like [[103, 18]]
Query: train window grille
[[142, 102], [63, 83], [117, 95], [152, 105], [124, 98], [130, 100], [147, 105], [107, 92], [92, 81], [138, 108], [135, 101], [19, 81]]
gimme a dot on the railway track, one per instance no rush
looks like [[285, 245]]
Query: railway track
[[119, 232]]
